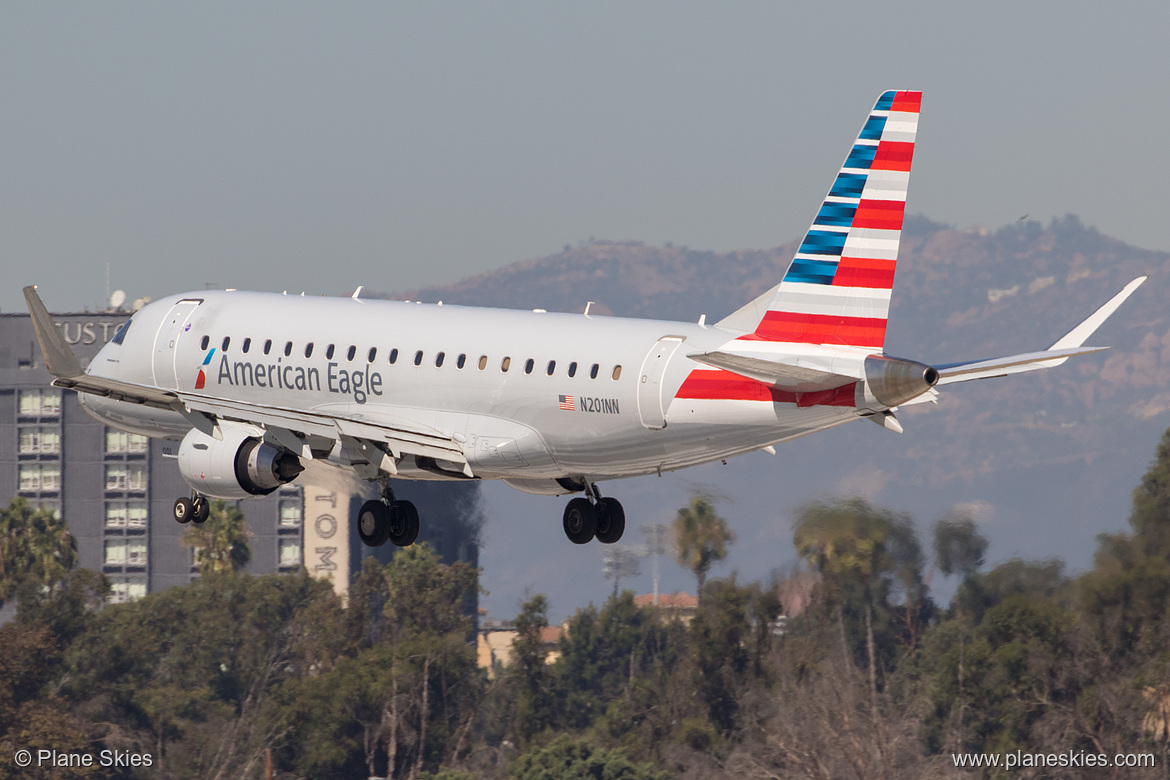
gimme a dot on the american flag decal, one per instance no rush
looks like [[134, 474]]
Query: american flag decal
[[565, 402]]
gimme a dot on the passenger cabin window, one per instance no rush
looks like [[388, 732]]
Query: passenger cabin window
[[617, 373], [505, 364], [329, 352], [309, 349], [482, 362], [226, 340], [418, 358], [461, 361], [247, 345], [393, 356], [552, 366], [287, 348], [593, 371], [121, 334], [572, 369], [439, 359], [528, 364], [267, 346], [349, 353], [204, 342], [373, 355]]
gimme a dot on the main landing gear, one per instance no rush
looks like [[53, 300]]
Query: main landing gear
[[594, 517], [387, 519], [195, 509]]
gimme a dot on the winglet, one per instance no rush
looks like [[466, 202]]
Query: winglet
[[59, 359], [1080, 334]]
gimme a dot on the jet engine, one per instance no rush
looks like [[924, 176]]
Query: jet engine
[[891, 381], [239, 465]]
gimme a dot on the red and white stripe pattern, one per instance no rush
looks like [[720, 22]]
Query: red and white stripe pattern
[[837, 289]]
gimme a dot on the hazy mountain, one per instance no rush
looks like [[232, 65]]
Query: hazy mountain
[[1045, 461]]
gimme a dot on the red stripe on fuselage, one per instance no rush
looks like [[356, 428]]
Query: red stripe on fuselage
[[727, 386], [791, 327]]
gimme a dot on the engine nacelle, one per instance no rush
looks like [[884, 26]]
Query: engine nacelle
[[892, 381], [239, 465]]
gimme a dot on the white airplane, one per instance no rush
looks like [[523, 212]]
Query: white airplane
[[250, 386]]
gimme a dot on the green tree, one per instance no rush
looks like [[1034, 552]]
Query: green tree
[[958, 546], [568, 759], [220, 543], [700, 537], [528, 673], [866, 557], [34, 544]]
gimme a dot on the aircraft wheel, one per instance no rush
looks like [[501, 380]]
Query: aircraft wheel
[[200, 509], [403, 523], [183, 510], [580, 521], [374, 523], [611, 520]]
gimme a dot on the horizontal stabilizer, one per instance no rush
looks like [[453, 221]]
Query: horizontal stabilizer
[[1069, 345], [784, 375]]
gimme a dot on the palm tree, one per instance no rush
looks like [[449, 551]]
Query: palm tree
[[220, 543], [34, 543], [700, 537]]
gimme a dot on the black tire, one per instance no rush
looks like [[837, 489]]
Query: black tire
[[611, 520], [200, 509], [403, 523], [183, 510], [580, 521], [374, 523]]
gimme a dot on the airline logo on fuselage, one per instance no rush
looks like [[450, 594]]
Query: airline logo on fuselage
[[359, 384]]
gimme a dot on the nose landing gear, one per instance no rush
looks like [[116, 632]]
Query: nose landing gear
[[594, 517]]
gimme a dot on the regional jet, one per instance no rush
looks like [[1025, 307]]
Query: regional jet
[[246, 387]]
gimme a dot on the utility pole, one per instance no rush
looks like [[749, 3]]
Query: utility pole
[[655, 534]]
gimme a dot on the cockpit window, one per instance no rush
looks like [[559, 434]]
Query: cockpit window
[[121, 334]]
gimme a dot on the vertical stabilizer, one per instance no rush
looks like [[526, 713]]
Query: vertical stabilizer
[[837, 289]]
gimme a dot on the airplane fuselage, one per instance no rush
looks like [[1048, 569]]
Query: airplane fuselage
[[529, 395]]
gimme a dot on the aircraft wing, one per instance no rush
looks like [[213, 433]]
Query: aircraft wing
[[1067, 346], [396, 431]]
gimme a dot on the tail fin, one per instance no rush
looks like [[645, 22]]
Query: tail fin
[[837, 289]]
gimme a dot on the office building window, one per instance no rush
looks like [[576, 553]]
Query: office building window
[[40, 440], [290, 552], [126, 476], [130, 589], [290, 512], [125, 514], [40, 476], [115, 552], [40, 402], [120, 442]]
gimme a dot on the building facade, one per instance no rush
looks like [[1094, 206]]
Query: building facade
[[115, 490]]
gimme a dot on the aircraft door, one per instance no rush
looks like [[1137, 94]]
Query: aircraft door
[[651, 408], [166, 340]]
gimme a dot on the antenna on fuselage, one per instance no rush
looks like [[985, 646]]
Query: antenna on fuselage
[[357, 292], [587, 305]]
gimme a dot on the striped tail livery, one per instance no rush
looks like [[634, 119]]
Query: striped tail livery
[[837, 289]]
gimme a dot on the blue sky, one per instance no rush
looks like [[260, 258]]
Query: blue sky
[[320, 146]]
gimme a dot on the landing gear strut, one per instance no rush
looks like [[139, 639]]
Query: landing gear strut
[[194, 509], [594, 517], [387, 519]]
